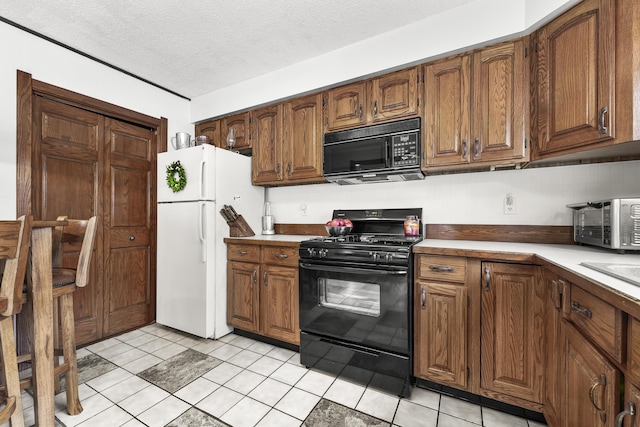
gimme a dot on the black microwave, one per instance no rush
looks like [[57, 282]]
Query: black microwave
[[377, 153]]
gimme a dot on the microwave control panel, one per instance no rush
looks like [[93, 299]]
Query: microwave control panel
[[405, 150]]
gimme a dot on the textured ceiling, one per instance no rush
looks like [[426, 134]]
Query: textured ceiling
[[193, 47]]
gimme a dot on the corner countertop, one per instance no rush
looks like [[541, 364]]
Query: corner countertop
[[567, 257], [269, 239]]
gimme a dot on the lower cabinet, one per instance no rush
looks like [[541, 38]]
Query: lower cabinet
[[512, 333], [262, 290]]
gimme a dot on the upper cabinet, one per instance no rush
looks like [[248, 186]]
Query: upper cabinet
[[211, 128], [476, 108], [287, 141], [576, 77], [240, 124], [384, 98]]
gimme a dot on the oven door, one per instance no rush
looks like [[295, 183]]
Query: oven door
[[363, 304]]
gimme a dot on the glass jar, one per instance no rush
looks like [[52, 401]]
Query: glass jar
[[411, 226]]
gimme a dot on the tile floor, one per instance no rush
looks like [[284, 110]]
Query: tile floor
[[239, 382]]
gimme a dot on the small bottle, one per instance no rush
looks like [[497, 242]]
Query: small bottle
[[411, 226]]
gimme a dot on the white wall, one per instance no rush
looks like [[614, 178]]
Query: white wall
[[541, 195], [473, 24], [52, 64]]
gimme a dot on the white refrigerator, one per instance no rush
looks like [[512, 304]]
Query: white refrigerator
[[191, 275]]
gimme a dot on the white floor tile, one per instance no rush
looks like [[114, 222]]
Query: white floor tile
[[225, 352], [345, 393], [297, 403], [245, 413], [242, 342], [493, 418], [281, 353], [91, 407], [219, 402], [265, 365], [222, 373], [60, 400], [109, 379], [114, 416], [245, 381], [197, 390], [377, 404], [142, 339], [127, 356], [114, 350], [276, 418], [163, 412], [446, 420], [208, 346], [270, 391], [260, 347], [94, 348], [427, 398], [171, 350], [410, 414], [315, 382], [461, 409], [244, 358], [125, 389], [143, 400], [142, 363], [288, 373], [154, 345]]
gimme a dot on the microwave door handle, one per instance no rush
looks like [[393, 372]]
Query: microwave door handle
[[387, 149]]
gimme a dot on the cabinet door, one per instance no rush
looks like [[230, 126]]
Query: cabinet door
[[266, 129], [393, 96], [447, 119], [240, 125], [592, 383], [303, 139], [576, 72], [211, 129], [344, 106], [279, 302], [512, 331], [500, 88], [630, 414], [441, 333], [242, 295], [553, 367]]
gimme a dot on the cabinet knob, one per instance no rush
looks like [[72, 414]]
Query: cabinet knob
[[132, 238]]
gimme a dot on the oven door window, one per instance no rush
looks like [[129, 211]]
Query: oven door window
[[363, 155], [351, 296]]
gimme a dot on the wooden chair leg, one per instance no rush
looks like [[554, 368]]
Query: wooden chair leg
[[56, 343], [10, 371], [69, 353]]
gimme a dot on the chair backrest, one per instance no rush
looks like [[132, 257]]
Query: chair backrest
[[76, 231], [15, 237]]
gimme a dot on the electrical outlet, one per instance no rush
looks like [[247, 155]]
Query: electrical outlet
[[303, 209], [509, 205]]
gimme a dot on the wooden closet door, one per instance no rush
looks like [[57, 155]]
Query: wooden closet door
[[129, 226], [67, 154]]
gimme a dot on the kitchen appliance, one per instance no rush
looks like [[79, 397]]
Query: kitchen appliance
[[378, 153], [181, 140], [268, 221], [610, 223], [356, 300], [191, 255]]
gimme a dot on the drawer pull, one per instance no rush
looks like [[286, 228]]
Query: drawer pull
[[242, 252], [630, 409], [439, 268], [601, 381], [575, 306], [281, 256]]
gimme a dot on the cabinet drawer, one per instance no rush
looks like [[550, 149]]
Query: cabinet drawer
[[597, 319], [240, 252], [280, 255], [442, 268]]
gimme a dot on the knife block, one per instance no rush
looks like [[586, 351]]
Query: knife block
[[240, 228]]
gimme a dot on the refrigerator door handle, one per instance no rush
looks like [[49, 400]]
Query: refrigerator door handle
[[202, 231], [203, 165]]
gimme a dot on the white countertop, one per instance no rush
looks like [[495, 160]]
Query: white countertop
[[276, 238], [568, 257]]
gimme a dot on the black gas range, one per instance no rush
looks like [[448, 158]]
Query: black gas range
[[356, 299]]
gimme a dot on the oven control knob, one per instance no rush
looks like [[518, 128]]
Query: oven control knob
[[323, 253], [375, 256], [388, 257], [312, 252]]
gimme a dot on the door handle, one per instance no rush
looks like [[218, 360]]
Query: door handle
[[603, 129], [424, 298], [601, 381], [487, 279], [630, 409]]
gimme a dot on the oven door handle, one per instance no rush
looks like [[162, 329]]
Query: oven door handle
[[344, 269]]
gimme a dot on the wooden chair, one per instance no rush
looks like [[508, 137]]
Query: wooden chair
[[14, 251], [77, 233]]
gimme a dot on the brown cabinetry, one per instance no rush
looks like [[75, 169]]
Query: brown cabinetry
[[287, 141], [262, 295], [240, 124], [211, 128], [512, 332], [476, 108], [576, 77], [389, 97], [440, 311]]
